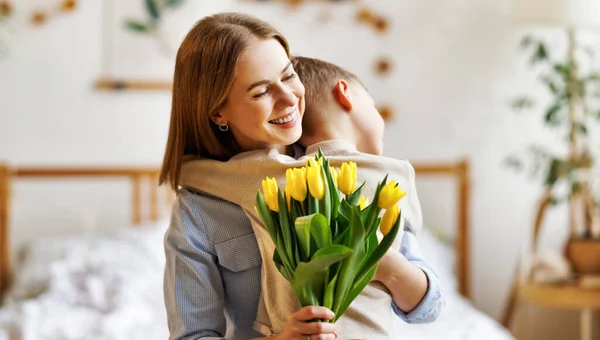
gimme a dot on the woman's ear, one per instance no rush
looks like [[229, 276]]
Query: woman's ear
[[341, 94], [217, 118]]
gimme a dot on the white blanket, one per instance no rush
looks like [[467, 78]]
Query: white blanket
[[110, 288]]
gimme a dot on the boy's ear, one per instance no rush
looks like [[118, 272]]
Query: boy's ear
[[341, 93]]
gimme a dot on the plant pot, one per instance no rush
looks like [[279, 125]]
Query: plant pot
[[584, 255]]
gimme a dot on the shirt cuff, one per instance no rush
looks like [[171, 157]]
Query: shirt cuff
[[429, 307]]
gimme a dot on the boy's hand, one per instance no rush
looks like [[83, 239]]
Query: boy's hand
[[388, 265]]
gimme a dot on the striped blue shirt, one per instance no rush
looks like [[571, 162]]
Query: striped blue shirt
[[212, 274]]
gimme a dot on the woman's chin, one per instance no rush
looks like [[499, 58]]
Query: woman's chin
[[290, 136]]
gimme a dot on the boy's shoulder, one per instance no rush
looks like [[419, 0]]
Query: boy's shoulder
[[341, 151]]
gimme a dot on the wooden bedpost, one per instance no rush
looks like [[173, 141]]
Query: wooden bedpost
[[462, 246], [4, 232]]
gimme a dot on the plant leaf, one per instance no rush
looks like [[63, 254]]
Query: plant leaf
[[138, 26], [326, 201], [514, 162], [373, 210], [540, 53], [285, 228], [309, 276], [320, 231], [341, 237], [355, 196], [554, 172], [173, 3], [279, 264], [581, 128], [334, 192], [522, 103], [302, 226], [551, 116], [552, 86], [350, 266], [329, 292], [371, 242], [265, 215], [526, 42], [381, 249], [152, 9], [356, 289]]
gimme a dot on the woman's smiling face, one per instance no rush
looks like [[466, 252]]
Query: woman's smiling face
[[265, 106]]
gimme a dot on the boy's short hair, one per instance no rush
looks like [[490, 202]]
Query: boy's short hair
[[319, 77]]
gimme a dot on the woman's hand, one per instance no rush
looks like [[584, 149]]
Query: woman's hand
[[299, 326]]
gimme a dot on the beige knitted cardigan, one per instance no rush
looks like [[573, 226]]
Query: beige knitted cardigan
[[239, 179]]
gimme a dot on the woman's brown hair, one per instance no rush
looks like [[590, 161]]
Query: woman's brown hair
[[204, 75]]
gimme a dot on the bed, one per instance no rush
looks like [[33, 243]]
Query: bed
[[109, 286]]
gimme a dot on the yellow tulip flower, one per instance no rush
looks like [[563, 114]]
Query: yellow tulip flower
[[389, 219], [363, 202], [270, 190], [389, 195], [296, 183], [313, 159], [316, 184], [347, 178], [335, 173]]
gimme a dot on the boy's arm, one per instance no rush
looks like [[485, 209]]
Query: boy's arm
[[415, 287]]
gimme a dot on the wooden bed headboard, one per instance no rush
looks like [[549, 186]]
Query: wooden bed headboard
[[139, 177], [457, 171], [460, 173]]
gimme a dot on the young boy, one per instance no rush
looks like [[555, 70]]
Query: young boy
[[340, 118], [337, 107]]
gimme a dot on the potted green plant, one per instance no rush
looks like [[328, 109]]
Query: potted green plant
[[574, 110]]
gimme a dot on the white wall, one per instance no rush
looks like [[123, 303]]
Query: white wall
[[454, 71]]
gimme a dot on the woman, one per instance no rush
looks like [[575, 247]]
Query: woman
[[234, 90]]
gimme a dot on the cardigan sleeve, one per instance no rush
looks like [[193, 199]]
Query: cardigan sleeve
[[193, 287], [433, 302]]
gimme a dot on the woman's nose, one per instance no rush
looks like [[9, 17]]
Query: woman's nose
[[287, 98]]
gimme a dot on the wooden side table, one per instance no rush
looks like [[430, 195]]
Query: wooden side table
[[585, 300]]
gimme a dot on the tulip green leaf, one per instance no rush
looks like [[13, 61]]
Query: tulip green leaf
[[329, 292], [378, 253], [309, 276], [326, 201], [320, 231], [353, 197], [284, 224], [350, 266], [302, 226], [282, 269], [334, 193], [265, 214], [356, 289]]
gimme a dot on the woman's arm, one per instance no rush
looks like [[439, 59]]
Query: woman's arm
[[415, 287], [193, 288]]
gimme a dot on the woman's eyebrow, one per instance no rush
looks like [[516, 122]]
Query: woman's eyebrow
[[264, 82]]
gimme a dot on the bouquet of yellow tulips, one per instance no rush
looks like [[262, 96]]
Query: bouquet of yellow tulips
[[324, 231]]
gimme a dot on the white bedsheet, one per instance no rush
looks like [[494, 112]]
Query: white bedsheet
[[111, 288]]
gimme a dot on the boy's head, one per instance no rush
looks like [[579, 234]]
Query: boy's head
[[337, 107]]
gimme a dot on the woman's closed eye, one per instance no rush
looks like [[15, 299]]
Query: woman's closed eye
[[267, 90]]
